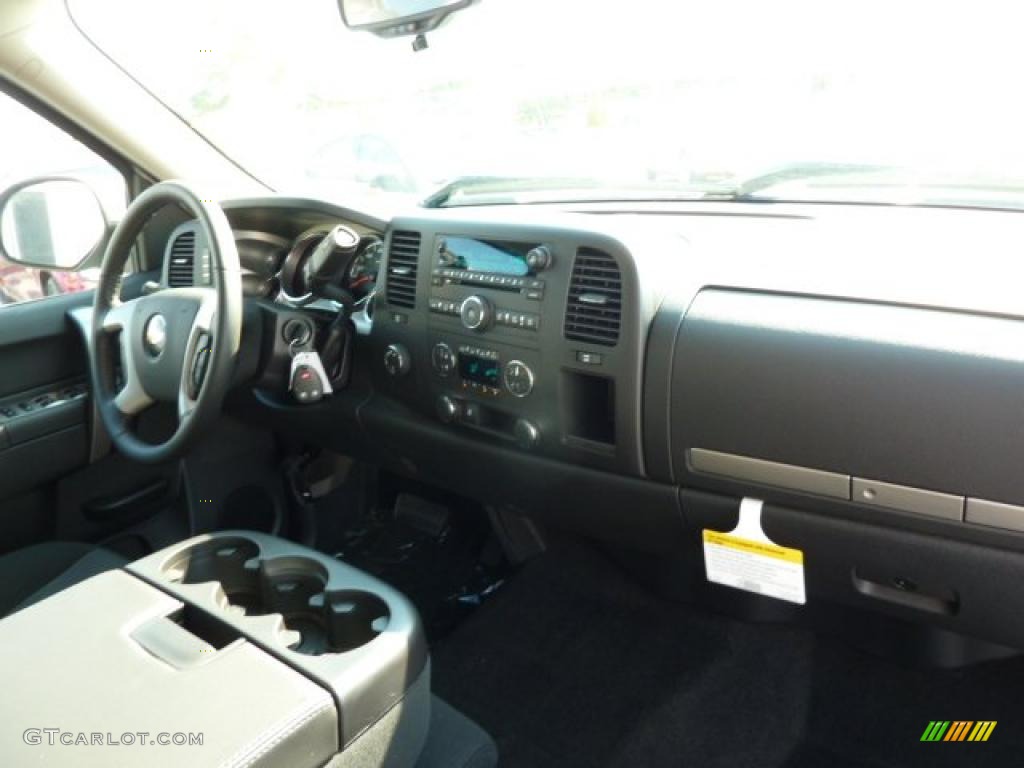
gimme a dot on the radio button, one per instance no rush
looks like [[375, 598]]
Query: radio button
[[443, 359], [518, 378], [538, 259], [477, 313]]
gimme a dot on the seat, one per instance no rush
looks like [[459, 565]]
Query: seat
[[34, 573]]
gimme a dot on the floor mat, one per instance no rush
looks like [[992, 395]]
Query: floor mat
[[571, 664]]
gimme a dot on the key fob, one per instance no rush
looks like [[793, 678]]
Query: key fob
[[308, 381]]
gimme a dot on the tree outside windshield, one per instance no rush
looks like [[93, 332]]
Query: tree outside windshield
[[646, 97]]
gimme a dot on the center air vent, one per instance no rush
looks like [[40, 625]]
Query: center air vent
[[403, 261], [180, 271], [594, 310]]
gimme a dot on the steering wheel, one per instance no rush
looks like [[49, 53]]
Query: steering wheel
[[178, 345]]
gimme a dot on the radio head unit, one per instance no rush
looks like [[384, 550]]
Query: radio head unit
[[508, 271]]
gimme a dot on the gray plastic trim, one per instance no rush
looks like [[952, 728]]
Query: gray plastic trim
[[942, 505], [366, 680], [994, 514], [788, 476]]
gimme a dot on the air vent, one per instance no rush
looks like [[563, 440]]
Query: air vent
[[403, 261], [594, 310], [180, 271]]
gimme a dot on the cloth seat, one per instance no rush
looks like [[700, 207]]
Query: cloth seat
[[34, 573]]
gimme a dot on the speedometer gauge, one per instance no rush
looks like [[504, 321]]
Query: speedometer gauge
[[362, 275]]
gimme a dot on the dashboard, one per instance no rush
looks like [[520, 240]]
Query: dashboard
[[633, 374]]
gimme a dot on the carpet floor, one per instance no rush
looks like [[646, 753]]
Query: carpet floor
[[572, 664]]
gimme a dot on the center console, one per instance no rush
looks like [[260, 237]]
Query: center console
[[527, 337], [243, 649]]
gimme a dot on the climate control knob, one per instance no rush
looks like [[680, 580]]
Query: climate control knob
[[443, 359], [477, 313], [396, 360], [518, 378]]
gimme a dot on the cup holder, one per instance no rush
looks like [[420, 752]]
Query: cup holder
[[349, 618], [224, 560], [294, 587]]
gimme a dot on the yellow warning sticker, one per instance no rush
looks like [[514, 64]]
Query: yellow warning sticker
[[747, 559], [753, 547]]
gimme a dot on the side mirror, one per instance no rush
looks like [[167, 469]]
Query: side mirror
[[397, 18], [53, 222]]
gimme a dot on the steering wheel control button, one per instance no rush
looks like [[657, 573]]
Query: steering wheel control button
[[396, 360], [443, 359], [476, 313], [518, 378], [154, 335], [200, 363]]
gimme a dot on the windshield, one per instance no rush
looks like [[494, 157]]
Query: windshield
[[534, 100]]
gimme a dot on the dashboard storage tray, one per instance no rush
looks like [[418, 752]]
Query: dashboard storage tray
[[340, 627]]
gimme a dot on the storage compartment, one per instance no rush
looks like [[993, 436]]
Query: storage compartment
[[589, 407], [251, 507]]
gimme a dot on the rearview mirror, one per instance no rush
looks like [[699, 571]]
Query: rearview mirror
[[56, 223], [396, 18]]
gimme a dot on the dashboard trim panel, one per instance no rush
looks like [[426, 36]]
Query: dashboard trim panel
[[788, 476]]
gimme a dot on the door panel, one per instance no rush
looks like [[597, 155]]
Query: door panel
[[43, 429], [47, 485]]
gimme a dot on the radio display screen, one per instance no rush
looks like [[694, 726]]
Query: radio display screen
[[489, 257], [480, 370]]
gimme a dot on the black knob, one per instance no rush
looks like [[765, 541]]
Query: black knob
[[477, 313], [396, 360], [527, 434], [538, 259], [447, 409]]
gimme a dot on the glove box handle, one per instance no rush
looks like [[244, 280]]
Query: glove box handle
[[905, 593]]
